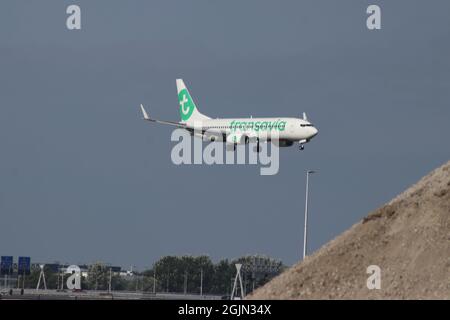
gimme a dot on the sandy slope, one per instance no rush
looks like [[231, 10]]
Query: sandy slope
[[408, 238]]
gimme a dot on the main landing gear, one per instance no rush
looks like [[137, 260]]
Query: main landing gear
[[247, 141], [258, 148], [301, 146]]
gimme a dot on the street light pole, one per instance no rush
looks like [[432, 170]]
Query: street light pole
[[305, 231], [185, 282], [154, 279], [201, 282], [110, 279]]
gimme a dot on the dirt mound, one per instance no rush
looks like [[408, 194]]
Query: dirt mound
[[408, 238]]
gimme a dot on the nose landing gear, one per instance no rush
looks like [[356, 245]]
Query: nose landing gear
[[301, 144]]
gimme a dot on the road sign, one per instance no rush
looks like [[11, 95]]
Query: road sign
[[24, 265], [6, 265]]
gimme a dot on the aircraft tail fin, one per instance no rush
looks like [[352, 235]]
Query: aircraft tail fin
[[188, 109]]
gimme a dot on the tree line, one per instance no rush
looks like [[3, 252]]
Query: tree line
[[172, 274]]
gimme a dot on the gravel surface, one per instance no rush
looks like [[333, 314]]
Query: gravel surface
[[408, 238]]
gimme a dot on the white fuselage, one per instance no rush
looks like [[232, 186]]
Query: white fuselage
[[237, 129]]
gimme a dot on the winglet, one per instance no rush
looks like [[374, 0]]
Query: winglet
[[304, 116], [144, 113]]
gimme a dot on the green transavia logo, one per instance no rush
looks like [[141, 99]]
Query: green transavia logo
[[186, 105], [277, 125]]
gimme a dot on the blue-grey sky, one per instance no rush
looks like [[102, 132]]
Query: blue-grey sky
[[83, 178]]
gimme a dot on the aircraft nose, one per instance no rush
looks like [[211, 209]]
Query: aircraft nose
[[314, 132]]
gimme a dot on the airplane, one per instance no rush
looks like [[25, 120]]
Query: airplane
[[284, 131]]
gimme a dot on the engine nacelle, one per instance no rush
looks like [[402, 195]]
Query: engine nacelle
[[283, 143], [207, 136], [212, 137]]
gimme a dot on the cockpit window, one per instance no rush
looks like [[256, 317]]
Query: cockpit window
[[306, 125]]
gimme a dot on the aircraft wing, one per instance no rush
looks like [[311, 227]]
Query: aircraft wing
[[171, 123]]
